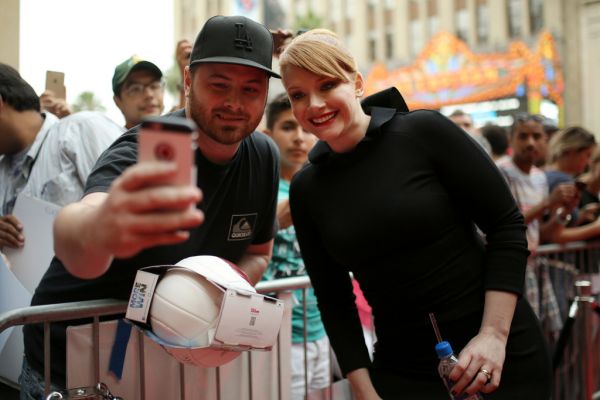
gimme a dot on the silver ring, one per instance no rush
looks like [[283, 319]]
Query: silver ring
[[487, 374]]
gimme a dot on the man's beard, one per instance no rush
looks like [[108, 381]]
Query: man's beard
[[219, 132]]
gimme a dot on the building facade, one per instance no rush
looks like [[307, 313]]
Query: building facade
[[395, 32], [9, 32]]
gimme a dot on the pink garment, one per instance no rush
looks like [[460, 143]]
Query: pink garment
[[364, 309]]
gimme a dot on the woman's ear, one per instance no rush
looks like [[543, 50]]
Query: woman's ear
[[359, 85]]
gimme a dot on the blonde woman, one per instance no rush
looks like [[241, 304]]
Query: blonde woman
[[394, 196], [570, 151]]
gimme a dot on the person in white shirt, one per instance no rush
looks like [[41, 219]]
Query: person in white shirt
[[41, 156]]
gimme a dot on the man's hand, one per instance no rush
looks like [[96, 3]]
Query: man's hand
[[564, 195], [142, 209], [588, 214], [183, 51], [280, 38], [53, 104], [11, 232], [255, 260]]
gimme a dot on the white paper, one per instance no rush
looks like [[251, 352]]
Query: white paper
[[11, 356], [248, 320], [30, 262], [12, 295]]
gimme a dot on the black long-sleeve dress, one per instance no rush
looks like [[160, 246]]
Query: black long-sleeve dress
[[399, 211]]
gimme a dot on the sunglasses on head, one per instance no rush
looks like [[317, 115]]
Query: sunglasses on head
[[524, 117]]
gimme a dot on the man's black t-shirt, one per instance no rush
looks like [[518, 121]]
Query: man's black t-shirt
[[239, 203]]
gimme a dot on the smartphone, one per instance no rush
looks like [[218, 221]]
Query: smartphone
[[55, 82], [170, 139]]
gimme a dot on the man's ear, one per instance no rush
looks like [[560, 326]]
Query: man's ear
[[268, 132], [359, 85], [118, 102], [5, 108]]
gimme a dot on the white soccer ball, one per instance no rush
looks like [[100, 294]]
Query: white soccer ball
[[185, 308], [205, 357]]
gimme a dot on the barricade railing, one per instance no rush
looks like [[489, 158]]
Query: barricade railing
[[95, 309], [47, 314], [577, 358], [574, 272]]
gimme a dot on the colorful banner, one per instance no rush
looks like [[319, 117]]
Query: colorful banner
[[247, 8], [447, 72]]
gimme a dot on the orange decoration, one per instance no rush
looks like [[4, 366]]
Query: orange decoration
[[447, 72]]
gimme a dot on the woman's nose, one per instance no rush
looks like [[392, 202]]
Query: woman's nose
[[316, 101]]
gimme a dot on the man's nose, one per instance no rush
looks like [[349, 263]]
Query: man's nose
[[298, 135], [233, 100], [531, 141]]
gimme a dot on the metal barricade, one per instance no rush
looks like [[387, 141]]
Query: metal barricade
[[577, 373], [574, 271], [95, 309]]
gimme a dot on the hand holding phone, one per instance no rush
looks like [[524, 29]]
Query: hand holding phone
[[55, 82], [171, 139], [280, 38]]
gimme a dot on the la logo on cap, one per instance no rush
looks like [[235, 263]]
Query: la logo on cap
[[242, 40]]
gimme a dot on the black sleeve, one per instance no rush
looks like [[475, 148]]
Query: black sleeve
[[120, 155], [331, 283], [480, 192]]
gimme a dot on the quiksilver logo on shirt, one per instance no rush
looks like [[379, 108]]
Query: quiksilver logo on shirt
[[242, 226]]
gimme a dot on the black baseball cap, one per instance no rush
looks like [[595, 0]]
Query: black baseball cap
[[234, 40]]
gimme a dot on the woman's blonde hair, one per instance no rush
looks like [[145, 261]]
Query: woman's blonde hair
[[321, 52], [573, 138]]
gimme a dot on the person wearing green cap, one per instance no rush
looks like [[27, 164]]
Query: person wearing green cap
[[138, 90]]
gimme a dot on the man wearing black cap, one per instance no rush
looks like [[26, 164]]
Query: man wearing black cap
[[138, 90], [130, 217]]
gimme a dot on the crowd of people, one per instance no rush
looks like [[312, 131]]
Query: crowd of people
[[429, 214]]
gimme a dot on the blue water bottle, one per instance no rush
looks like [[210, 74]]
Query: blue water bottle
[[447, 362]]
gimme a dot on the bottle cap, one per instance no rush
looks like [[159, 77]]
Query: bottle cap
[[443, 349]]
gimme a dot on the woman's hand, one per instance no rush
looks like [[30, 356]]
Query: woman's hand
[[480, 363], [484, 353], [362, 387]]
